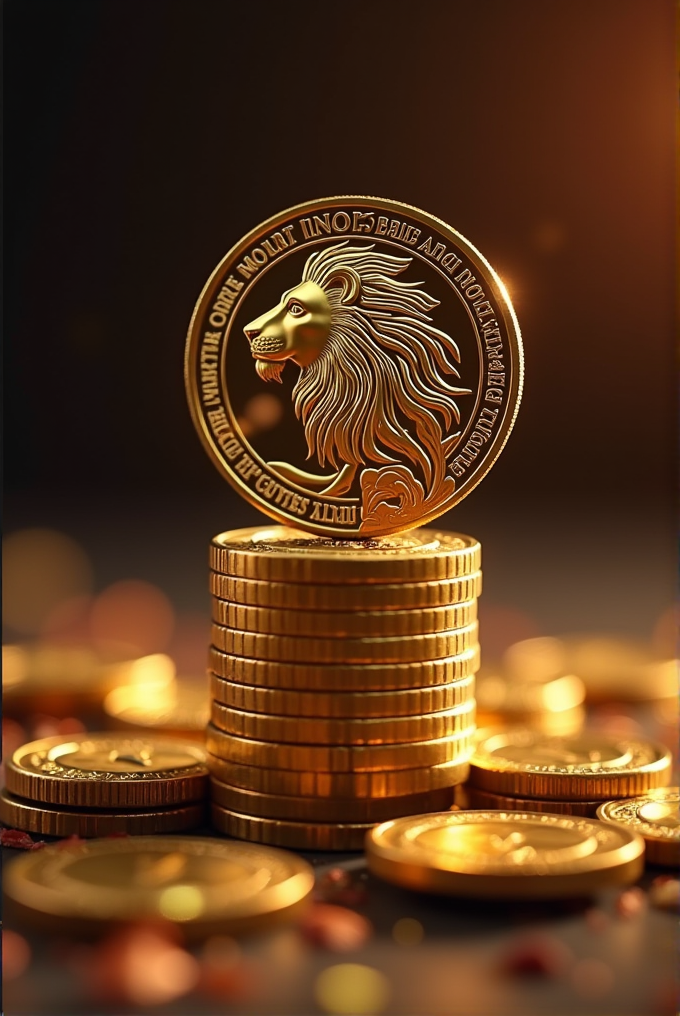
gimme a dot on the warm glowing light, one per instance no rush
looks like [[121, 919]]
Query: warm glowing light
[[156, 972], [16, 955], [155, 669], [351, 989], [263, 411], [14, 665], [407, 932], [181, 903], [134, 615], [537, 659]]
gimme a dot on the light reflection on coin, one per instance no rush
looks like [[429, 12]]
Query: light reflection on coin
[[655, 817]]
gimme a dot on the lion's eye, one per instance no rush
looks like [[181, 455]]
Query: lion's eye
[[296, 309]]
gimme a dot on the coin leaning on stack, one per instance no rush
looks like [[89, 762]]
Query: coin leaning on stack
[[342, 676]]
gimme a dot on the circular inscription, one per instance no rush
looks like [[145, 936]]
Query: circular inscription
[[354, 367]]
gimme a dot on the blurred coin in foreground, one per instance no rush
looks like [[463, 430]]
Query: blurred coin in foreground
[[655, 817]]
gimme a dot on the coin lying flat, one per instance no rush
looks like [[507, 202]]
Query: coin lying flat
[[557, 723], [208, 885], [320, 731], [297, 835], [655, 817], [106, 771], [343, 677], [406, 356], [529, 689], [586, 766], [327, 809], [484, 800], [621, 670], [319, 704], [336, 625], [181, 709], [350, 759], [504, 855], [335, 597], [50, 821], [278, 554], [398, 649], [312, 783]]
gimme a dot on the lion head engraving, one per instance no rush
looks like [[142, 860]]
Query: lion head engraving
[[374, 382]]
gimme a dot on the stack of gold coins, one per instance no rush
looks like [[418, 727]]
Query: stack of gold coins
[[519, 770], [99, 784], [342, 681]]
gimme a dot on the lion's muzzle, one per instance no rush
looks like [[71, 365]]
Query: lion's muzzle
[[263, 345]]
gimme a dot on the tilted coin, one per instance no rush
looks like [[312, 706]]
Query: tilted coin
[[296, 835], [345, 704], [208, 885], [587, 766], [504, 855], [181, 708], [486, 801], [335, 597], [656, 817], [327, 809], [396, 649], [51, 821], [406, 355], [341, 676], [336, 625], [101, 770], [374, 785], [333, 731], [351, 759], [281, 554]]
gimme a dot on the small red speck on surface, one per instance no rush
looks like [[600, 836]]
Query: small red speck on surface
[[533, 956], [336, 928], [664, 893], [224, 972], [68, 841], [631, 902], [18, 840]]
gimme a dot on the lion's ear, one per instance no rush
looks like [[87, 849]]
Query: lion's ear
[[350, 282]]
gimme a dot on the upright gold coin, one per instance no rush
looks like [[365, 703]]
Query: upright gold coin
[[207, 885], [297, 835], [344, 677], [406, 356], [320, 731], [335, 597], [587, 766], [504, 855], [656, 817], [397, 649], [50, 821], [336, 759], [343, 704], [351, 624], [278, 554], [484, 800], [107, 771]]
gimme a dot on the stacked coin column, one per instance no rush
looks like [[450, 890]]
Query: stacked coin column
[[342, 681]]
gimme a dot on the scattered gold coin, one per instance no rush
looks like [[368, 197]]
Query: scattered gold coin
[[655, 816]]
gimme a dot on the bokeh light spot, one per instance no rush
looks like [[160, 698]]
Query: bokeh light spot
[[16, 955], [352, 989], [407, 932], [134, 616], [181, 903]]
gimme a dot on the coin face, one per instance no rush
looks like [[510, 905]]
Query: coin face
[[503, 854], [656, 817], [354, 367]]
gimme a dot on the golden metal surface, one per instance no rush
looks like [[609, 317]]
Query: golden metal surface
[[296, 835], [50, 821], [342, 704], [587, 766], [181, 708], [486, 801], [400, 418], [208, 885], [336, 625], [504, 855], [320, 731], [560, 723], [281, 554], [656, 817], [327, 809], [396, 649], [102, 770], [314, 783], [350, 759], [344, 677], [335, 597], [621, 670]]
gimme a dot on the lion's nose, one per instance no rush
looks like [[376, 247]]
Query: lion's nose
[[251, 332]]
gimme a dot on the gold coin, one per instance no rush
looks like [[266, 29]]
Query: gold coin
[[207, 885], [328, 809], [486, 801], [399, 649], [108, 771], [50, 821], [343, 704], [335, 597], [336, 625], [561, 723], [295, 835], [181, 708], [278, 554], [656, 817], [344, 677], [320, 731], [588, 766], [407, 356], [337, 759], [504, 855], [313, 783]]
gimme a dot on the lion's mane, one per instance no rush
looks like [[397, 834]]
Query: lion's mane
[[383, 364]]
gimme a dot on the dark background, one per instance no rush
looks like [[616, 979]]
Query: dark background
[[144, 138]]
